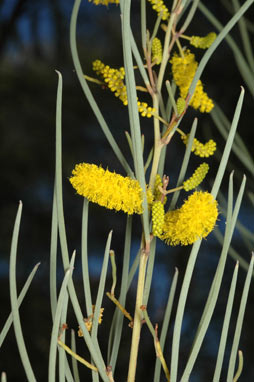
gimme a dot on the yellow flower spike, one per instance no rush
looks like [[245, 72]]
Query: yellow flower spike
[[113, 78], [107, 189], [193, 221], [184, 69], [205, 150], [196, 178], [168, 229], [156, 51], [200, 149], [160, 8], [200, 99], [157, 218], [180, 105], [203, 42], [104, 2]]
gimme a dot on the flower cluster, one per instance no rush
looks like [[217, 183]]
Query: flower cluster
[[145, 110], [180, 105], [184, 69], [105, 2], [156, 51], [203, 42], [89, 321], [113, 78], [194, 220], [196, 178], [160, 8], [203, 150], [157, 218], [107, 189]]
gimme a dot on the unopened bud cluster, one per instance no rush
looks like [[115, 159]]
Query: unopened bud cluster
[[196, 178], [180, 105], [145, 110], [203, 150], [160, 8], [157, 218], [203, 42], [156, 51], [114, 79]]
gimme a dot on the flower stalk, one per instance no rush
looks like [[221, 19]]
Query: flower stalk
[[137, 323], [157, 145]]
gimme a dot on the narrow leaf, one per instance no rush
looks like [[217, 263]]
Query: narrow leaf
[[14, 300], [226, 322], [239, 323]]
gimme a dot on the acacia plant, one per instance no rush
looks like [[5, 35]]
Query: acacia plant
[[171, 86]]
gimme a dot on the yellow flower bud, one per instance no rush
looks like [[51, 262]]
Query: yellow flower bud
[[203, 42], [160, 8], [145, 110], [196, 178], [156, 51], [180, 105], [157, 218], [200, 149], [105, 2]]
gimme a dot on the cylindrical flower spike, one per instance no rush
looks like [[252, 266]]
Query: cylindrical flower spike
[[203, 150], [114, 79], [184, 69], [180, 105], [196, 178], [107, 189], [105, 2], [160, 8], [203, 42], [157, 218], [156, 51], [193, 221]]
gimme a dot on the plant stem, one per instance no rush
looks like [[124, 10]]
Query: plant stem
[[137, 317], [165, 55], [157, 144]]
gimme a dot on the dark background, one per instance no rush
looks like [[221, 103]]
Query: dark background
[[34, 42]]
